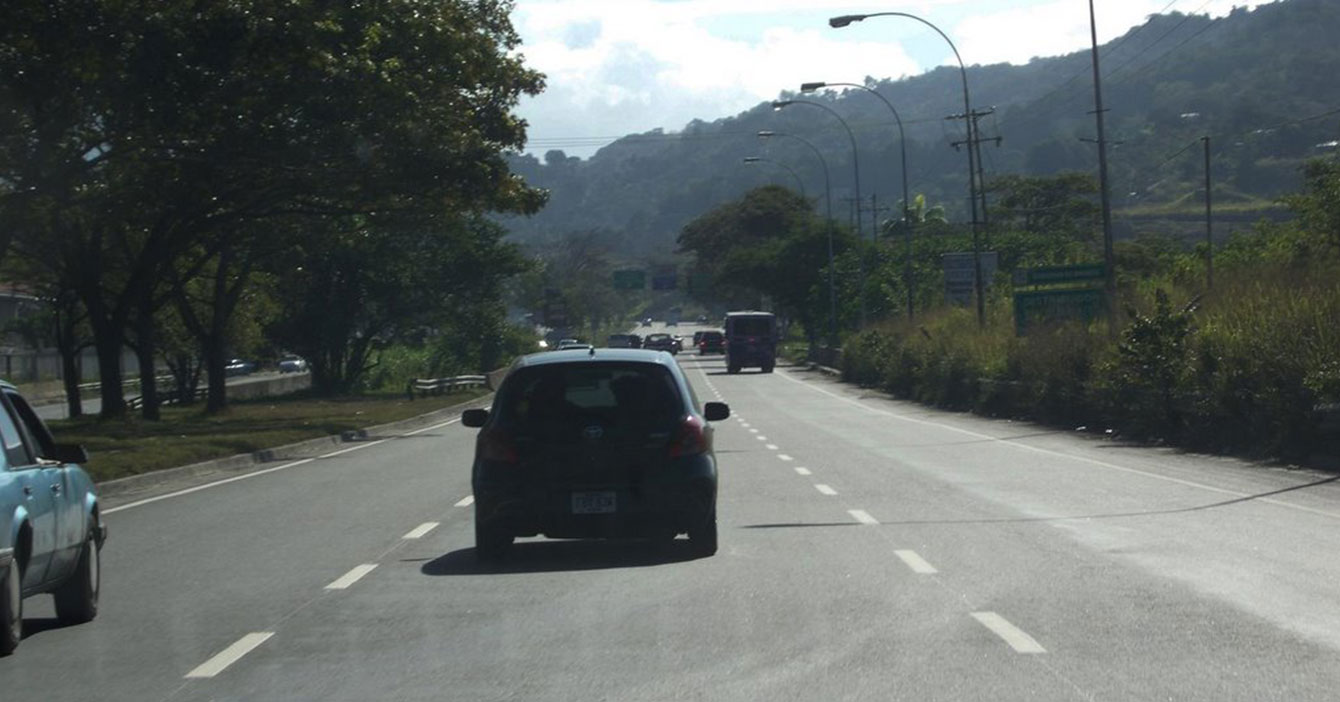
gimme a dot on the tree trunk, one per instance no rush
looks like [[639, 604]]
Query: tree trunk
[[109, 345], [216, 363], [68, 348]]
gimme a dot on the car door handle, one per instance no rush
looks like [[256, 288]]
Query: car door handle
[[28, 490], [55, 488]]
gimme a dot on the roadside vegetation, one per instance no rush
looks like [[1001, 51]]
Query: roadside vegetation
[[1250, 365]]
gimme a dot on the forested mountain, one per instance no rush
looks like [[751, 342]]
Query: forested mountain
[[1259, 82]]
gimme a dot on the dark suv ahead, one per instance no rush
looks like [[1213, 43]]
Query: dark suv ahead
[[751, 341], [594, 444]]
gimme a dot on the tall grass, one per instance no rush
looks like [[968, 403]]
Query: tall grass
[[1242, 368]]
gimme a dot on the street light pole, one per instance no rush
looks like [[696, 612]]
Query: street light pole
[[902, 147], [779, 164], [828, 227], [843, 21], [856, 173]]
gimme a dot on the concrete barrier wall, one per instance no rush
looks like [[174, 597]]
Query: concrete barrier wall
[[278, 385]]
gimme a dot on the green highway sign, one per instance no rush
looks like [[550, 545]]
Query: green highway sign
[[630, 279], [1035, 307], [1060, 275]]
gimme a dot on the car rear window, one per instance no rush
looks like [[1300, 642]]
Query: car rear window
[[751, 326], [614, 392]]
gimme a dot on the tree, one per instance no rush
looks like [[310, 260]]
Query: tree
[[151, 126], [361, 282], [1058, 206]]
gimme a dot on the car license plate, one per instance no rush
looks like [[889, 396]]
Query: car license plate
[[593, 502]]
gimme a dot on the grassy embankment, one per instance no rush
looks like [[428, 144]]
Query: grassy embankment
[[186, 435]]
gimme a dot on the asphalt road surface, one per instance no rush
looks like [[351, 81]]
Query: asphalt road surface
[[871, 550]]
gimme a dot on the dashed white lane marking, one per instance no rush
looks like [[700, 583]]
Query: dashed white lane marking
[[230, 655], [916, 562], [466, 501], [1017, 638], [752, 431], [1071, 457], [255, 474], [770, 447], [803, 470], [760, 437], [420, 531], [784, 457], [863, 517], [352, 576], [824, 489]]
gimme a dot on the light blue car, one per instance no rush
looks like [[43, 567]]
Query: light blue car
[[50, 532]]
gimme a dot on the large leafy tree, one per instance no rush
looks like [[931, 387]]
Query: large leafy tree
[[132, 133], [364, 281]]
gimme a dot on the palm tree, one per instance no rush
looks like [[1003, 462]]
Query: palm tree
[[919, 213]]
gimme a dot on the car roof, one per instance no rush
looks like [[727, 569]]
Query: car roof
[[601, 355]]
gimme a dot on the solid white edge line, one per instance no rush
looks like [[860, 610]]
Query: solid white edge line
[[466, 501], [206, 486], [354, 575], [1070, 457], [803, 470], [863, 517], [230, 655], [351, 449], [1017, 638], [824, 489], [253, 474], [915, 562], [420, 531]]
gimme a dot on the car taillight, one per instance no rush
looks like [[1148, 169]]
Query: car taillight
[[494, 445], [691, 439]]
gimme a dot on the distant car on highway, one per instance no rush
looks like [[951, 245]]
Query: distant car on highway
[[292, 364], [239, 366], [711, 342], [679, 342], [51, 534], [598, 445], [624, 341], [661, 342]]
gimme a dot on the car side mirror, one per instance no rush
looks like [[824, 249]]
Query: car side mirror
[[68, 453], [474, 418], [716, 411]]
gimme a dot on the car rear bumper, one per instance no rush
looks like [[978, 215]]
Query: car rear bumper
[[657, 506]]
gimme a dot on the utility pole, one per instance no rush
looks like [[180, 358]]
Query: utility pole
[[1109, 262], [978, 181], [981, 168], [1209, 220]]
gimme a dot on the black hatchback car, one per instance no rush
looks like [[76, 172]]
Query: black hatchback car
[[605, 443]]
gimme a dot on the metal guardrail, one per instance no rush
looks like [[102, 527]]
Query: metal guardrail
[[438, 386], [96, 385], [167, 398]]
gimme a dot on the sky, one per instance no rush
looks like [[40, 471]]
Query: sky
[[618, 67]]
